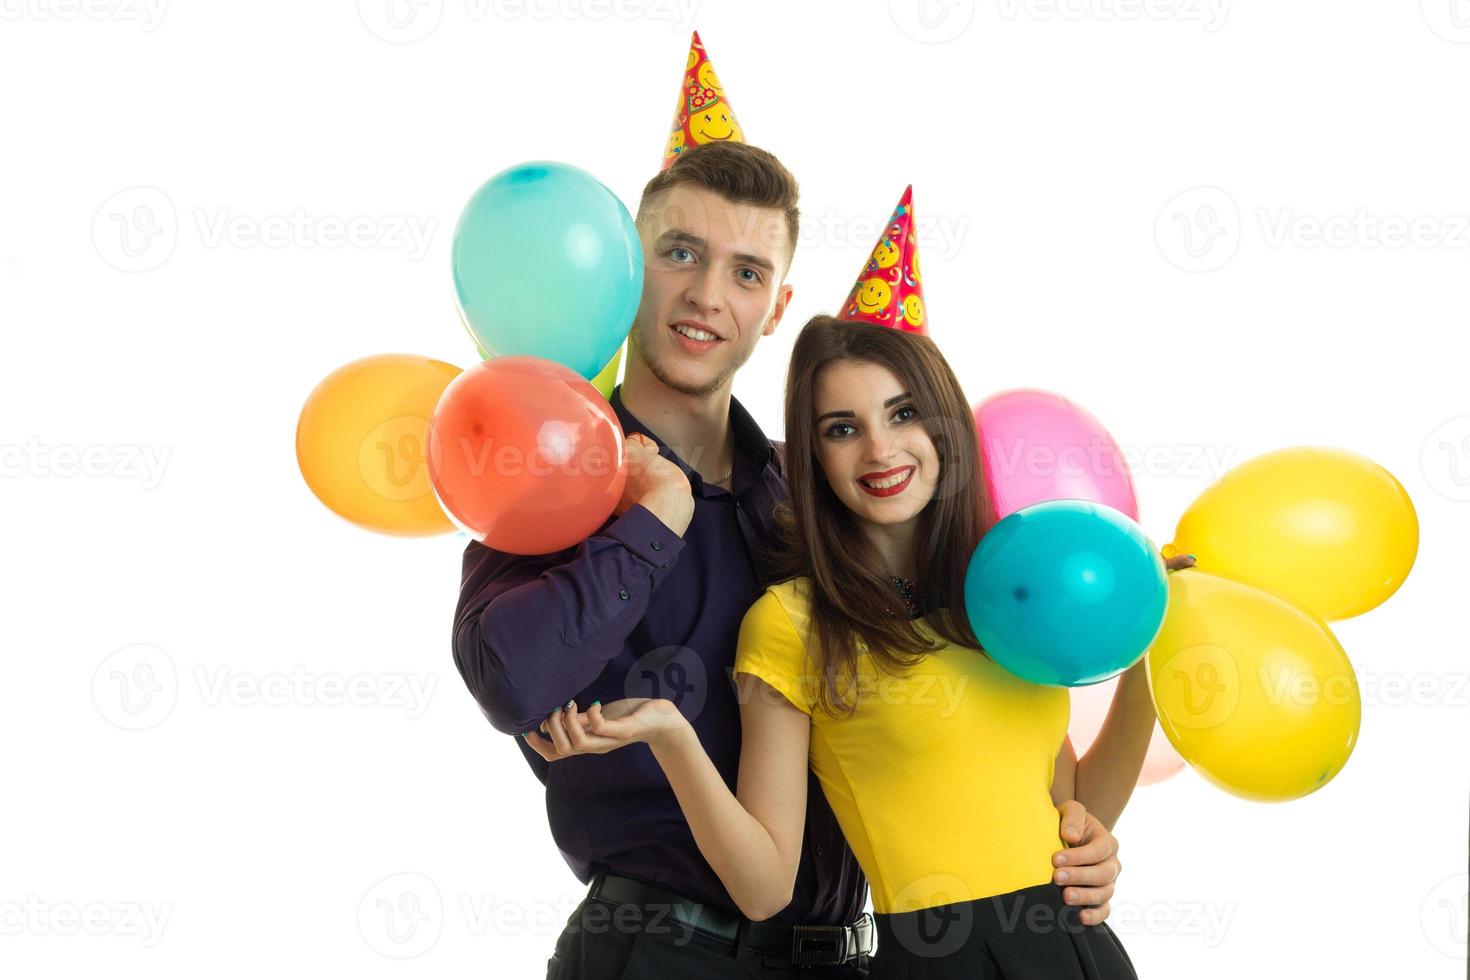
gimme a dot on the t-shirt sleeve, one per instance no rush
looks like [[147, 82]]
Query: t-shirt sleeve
[[771, 648]]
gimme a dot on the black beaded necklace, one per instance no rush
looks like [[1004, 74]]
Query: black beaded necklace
[[906, 591]]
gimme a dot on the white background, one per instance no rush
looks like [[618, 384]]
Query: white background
[[1187, 215]]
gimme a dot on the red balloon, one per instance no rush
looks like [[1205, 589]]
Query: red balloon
[[526, 455]]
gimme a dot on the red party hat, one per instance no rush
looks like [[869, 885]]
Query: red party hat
[[888, 290], [702, 115]]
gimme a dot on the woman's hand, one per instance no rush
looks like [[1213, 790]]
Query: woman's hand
[[1178, 562], [603, 728]]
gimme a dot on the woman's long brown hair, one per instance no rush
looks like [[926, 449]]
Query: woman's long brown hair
[[853, 601]]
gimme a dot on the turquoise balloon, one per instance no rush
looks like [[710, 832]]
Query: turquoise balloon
[[1066, 593], [547, 262]]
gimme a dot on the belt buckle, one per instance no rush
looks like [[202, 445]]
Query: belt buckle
[[819, 945]]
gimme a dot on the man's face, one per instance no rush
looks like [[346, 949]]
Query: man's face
[[712, 286]]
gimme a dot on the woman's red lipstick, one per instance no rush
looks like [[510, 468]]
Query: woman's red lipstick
[[898, 487]]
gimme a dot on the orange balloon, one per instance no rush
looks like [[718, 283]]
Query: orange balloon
[[361, 438], [526, 455]]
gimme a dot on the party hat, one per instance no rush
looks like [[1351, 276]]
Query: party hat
[[888, 290], [702, 115]]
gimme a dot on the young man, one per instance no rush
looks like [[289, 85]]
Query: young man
[[650, 606]]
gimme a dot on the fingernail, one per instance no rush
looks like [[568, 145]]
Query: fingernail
[[594, 702], [1061, 859], [556, 709], [571, 704], [1061, 876], [1196, 558]]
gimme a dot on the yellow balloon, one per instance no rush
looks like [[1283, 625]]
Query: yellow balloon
[[605, 380], [1329, 529], [361, 441], [1252, 690]]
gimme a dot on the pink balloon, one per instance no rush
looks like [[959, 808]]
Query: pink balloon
[[1037, 446], [1090, 705]]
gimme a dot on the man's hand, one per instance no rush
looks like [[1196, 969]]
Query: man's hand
[[656, 483], [1089, 866]]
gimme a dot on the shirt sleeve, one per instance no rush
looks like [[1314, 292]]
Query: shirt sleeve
[[770, 648], [532, 631]]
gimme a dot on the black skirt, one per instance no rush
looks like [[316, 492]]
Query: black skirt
[[1030, 934]]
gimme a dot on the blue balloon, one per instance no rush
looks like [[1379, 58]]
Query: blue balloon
[[547, 262], [1066, 593]]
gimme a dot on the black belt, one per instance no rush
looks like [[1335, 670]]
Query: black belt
[[802, 945]]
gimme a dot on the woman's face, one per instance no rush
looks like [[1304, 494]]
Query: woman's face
[[876, 453]]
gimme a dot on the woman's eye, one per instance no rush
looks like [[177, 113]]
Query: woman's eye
[[899, 415], [834, 430]]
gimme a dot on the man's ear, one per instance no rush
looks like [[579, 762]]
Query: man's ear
[[783, 296]]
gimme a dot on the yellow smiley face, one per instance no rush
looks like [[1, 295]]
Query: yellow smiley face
[[886, 254], [873, 296], [693, 58], [913, 311], [708, 78], [714, 124], [914, 267]]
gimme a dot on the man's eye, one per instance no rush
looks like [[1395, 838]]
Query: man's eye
[[681, 254], [748, 274]]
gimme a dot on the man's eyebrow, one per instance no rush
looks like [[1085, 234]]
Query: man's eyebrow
[[759, 261], [680, 238], [847, 414]]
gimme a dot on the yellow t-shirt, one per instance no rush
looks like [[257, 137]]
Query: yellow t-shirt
[[941, 779]]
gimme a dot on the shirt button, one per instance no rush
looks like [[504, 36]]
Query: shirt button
[[622, 593], [656, 545]]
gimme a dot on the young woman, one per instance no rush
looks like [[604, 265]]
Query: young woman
[[942, 768]]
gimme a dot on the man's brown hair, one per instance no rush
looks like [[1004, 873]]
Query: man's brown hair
[[738, 172]]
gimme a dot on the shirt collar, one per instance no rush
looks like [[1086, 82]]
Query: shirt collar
[[751, 444]]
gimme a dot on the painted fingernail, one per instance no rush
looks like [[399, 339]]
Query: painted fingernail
[[594, 702], [1195, 557], [556, 709]]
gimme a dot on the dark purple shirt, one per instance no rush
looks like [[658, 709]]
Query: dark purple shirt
[[638, 611]]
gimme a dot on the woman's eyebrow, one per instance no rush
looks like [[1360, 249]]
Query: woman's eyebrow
[[848, 413]]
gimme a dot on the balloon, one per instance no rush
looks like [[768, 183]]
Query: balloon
[[547, 263], [525, 455], [1037, 446], [1065, 592], [1329, 529], [606, 379], [361, 438], [1254, 691], [1090, 704]]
